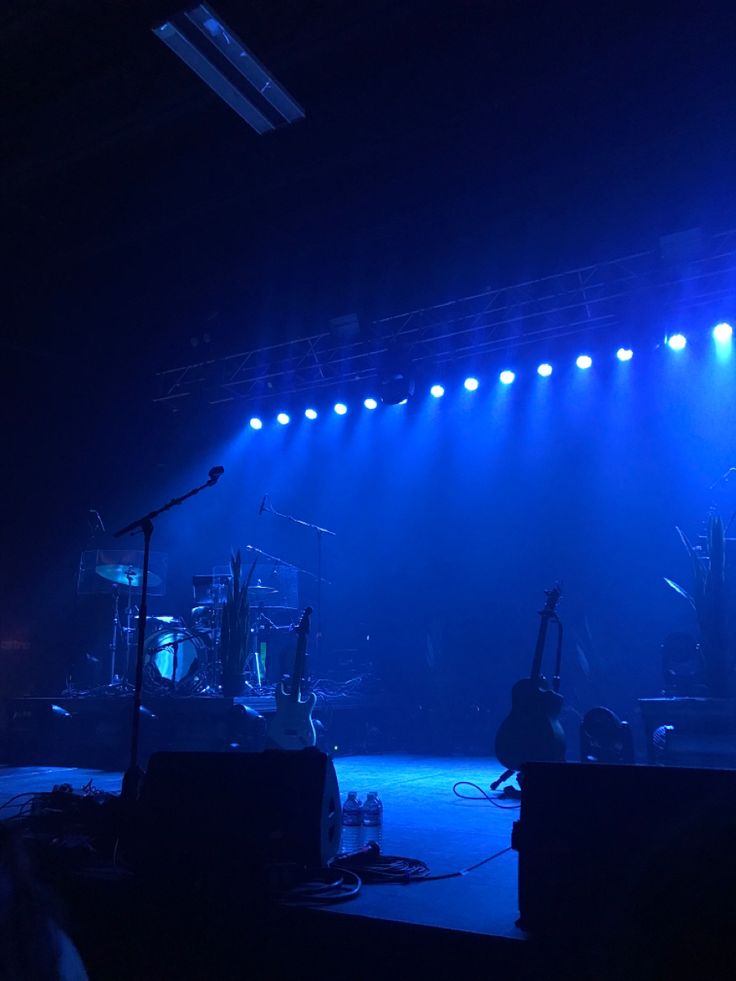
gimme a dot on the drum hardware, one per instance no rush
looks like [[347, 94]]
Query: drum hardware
[[174, 658]]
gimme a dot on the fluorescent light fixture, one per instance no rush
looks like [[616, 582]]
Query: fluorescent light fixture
[[206, 45]]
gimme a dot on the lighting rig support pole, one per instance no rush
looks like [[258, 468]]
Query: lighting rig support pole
[[266, 506], [133, 776]]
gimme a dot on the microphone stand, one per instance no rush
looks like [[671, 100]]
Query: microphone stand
[[320, 533], [133, 776]]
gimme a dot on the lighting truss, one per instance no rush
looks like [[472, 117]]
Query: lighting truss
[[206, 45], [635, 294]]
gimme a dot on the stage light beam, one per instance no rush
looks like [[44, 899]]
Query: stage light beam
[[584, 361], [340, 408], [256, 423], [437, 391], [507, 377], [310, 413], [544, 370], [370, 403], [722, 333], [471, 384], [283, 419], [624, 354]]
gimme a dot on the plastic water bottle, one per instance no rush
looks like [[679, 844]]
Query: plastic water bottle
[[352, 810], [372, 810], [352, 824]]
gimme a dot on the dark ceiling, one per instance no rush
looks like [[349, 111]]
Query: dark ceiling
[[446, 146]]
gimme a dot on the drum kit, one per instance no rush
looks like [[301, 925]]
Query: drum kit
[[180, 659]]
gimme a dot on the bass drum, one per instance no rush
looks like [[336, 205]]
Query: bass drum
[[174, 660]]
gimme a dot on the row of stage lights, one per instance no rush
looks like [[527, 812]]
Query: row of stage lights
[[722, 334]]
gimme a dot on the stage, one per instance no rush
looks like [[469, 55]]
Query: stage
[[423, 819]]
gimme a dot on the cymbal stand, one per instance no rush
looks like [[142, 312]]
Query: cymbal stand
[[129, 575], [320, 532], [133, 776], [115, 630]]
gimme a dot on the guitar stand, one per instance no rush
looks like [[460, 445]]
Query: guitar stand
[[514, 793]]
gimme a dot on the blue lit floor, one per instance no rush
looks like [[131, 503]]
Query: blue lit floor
[[423, 819]]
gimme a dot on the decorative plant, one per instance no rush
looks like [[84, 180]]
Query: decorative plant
[[234, 628], [708, 599]]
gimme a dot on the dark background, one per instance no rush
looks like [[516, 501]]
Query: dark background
[[447, 147]]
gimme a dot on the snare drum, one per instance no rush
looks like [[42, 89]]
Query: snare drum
[[174, 658]]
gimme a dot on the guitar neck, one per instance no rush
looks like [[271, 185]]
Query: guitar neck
[[539, 649], [299, 662]]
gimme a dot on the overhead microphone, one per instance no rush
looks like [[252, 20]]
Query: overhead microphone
[[216, 473], [262, 508]]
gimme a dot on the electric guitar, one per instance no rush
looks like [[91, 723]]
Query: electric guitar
[[292, 726], [532, 731]]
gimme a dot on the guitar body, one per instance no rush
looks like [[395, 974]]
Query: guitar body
[[292, 726], [531, 732]]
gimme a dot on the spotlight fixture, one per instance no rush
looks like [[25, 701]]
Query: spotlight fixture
[[370, 403], [677, 342], [584, 361], [437, 391], [256, 423], [624, 354], [214, 52], [283, 419], [471, 384], [544, 369], [340, 408], [722, 333], [310, 413], [506, 377]]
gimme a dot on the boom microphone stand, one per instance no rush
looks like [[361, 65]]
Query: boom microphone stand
[[133, 775], [320, 532]]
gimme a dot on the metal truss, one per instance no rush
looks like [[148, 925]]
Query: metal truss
[[633, 295]]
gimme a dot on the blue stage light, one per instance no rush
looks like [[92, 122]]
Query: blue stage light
[[545, 370], [310, 413], [370, 403], [437, 391], [283, 419], [256, 423], [471, 384], [624, 354], [584, 361], [340, 408], [722, 333], [677, 342], [506, 377]]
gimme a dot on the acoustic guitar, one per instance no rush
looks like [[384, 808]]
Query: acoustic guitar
[[532, 732], [292, 726]]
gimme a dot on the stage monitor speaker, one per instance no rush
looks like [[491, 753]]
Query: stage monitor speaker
[[626, 851], [233, 813]]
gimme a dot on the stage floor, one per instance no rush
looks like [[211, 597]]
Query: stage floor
[[423, 819]]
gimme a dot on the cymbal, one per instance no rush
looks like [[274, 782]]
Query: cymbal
[[125, 574], [261, 589]]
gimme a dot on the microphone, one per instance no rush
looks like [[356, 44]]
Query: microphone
[[262, 508], [215, 474], [99, 519]]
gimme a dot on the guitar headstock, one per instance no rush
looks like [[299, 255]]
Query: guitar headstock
[[303, 627], [553, 598]]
